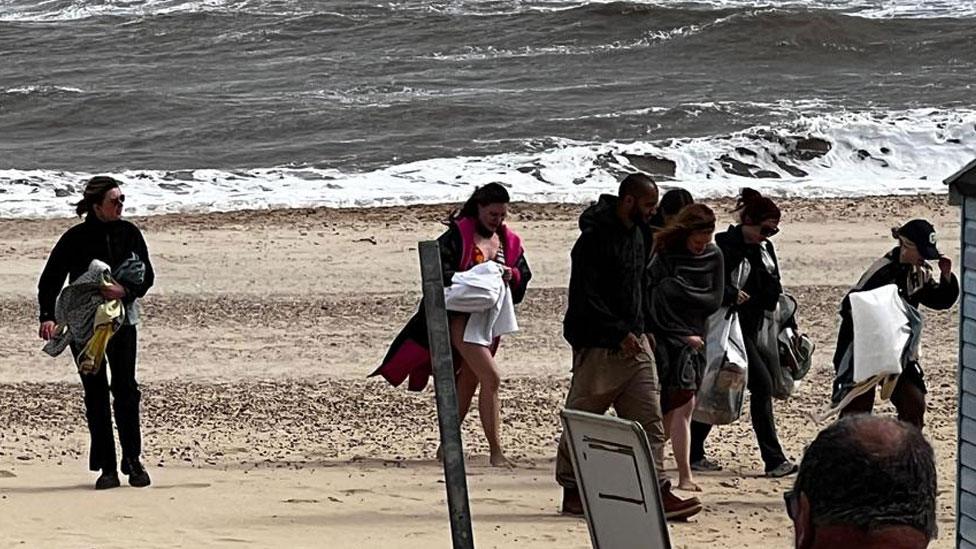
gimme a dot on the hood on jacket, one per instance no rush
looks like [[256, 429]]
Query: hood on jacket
[[603, 214]]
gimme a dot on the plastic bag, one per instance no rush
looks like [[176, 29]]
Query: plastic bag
[[881, 332], [723, 387]]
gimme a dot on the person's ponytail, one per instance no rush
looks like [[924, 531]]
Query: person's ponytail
[[95, 190], [754, 208]]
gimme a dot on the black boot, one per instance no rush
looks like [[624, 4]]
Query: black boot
[[108, 479], [572, 504], [138, 476]]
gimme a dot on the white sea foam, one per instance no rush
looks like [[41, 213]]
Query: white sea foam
[[904, 152], [874, 9], [68, 10], [40, 90]]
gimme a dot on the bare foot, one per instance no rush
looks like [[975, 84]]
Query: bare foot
[[689, 486], [498, 459]]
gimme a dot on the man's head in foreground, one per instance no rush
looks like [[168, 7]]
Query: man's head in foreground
[[866, 482]]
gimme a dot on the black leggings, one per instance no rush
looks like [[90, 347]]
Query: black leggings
[[121, 355]]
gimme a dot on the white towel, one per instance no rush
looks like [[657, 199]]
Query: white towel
[[482, 292]]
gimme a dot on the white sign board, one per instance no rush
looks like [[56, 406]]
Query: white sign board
[[617, 482]]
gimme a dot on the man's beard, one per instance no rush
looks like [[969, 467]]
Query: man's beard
[[637, 216]]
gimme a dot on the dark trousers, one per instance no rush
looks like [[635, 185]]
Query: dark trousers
[[908, 398], [761, 410], [125, 396]]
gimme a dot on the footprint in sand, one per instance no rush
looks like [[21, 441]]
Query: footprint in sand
[[401, 496], [354, 491], [7, 474], [496, 501], [296, 500]]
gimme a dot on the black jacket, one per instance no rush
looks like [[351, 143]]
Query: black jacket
[[935, 294], [763, 287], [111, 242], [606, 282]]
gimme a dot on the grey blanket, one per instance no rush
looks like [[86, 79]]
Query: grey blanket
[[684, 290], [74, 312]]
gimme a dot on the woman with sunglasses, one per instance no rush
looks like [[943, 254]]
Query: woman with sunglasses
[[749, 241], [105, 236]]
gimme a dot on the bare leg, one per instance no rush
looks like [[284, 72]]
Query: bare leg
[[681, 444], [479, 360], [668, 418], [467, 383]]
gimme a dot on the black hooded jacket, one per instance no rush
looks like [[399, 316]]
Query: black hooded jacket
[[606, 280], [111, 242]]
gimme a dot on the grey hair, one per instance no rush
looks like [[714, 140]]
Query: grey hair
[[871, 473]]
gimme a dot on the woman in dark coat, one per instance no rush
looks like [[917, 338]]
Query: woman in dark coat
[[105, 236], [476, 233], [685, 287], [749, 241]]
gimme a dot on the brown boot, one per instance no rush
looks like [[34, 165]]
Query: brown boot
[[572, 504], [676, 508]]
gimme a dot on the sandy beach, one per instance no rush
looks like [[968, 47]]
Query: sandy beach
[[260, 428]]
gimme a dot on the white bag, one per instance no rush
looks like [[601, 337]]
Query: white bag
[[723, 387], [724, 340], [881, 332]]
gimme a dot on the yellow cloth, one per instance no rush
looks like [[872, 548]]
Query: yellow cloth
[[108, 317]]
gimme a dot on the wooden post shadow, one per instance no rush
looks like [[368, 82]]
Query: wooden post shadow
[[442, 361]]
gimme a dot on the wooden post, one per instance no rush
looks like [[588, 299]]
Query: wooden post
[[442, 360]]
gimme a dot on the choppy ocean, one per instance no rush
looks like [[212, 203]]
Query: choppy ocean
[[230, 104]]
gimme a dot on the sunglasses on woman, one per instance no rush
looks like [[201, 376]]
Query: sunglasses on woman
[[768, 231], [118, 201]]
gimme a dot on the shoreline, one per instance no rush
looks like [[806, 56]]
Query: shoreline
[[436, 211]]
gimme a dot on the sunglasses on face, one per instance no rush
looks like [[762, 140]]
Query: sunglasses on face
[[768, 231], [790, 499], [118, 201]]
